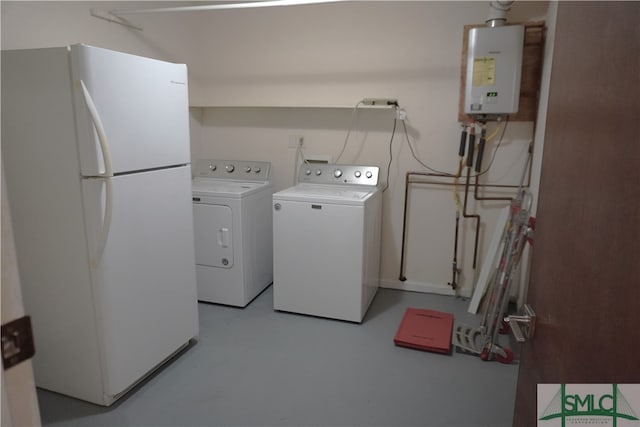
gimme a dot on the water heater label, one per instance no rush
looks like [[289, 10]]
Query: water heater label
[[484, 71]]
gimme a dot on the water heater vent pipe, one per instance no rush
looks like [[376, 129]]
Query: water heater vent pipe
[[498, 13]]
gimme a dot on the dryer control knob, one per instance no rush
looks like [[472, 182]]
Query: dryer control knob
[[337, 173], [318, 172], [357, 174], [369, 174], [247, 169], [257, 170], [213, 167], [230, 168], [307, 172]]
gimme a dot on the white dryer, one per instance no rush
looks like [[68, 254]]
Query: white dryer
[[233, 230], [326, 244]]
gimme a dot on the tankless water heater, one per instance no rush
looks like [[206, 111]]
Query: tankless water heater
[[494, 65]]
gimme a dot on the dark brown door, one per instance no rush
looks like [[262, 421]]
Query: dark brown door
[[585, 278]]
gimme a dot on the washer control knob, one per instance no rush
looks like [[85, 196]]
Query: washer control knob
[[357, 174], [337, 173], [247, 169], [257, 170], [212, 167], [230, 168], [369, 174], [307, 172], [318, 172]]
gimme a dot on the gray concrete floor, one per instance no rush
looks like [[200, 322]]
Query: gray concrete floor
[[255, 366]]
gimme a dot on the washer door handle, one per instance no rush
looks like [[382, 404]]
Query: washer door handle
[[223, 237]]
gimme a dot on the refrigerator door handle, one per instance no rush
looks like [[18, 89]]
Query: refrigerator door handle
[[102, 136], [101, 242], [106, 176]]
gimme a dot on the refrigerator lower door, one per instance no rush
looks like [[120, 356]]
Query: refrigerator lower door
[[144, 283]]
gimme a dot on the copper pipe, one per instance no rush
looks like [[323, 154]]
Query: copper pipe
[[476, 216], [408, 182], [470, 184], [476, 196], [402, 277], [467, 184], [454, 264]]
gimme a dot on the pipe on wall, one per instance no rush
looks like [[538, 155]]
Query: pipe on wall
[[498, 13], [408, 182]]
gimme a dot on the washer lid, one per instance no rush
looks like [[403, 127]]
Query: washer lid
[[225, 188], [339, 194]]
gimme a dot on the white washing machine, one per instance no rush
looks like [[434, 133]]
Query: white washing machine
[[233, 230], [326, 242]]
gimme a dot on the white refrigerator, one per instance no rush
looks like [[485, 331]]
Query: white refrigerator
[[95, 147]]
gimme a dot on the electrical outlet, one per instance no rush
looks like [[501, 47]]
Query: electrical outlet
[[401, 114], [296, 141]]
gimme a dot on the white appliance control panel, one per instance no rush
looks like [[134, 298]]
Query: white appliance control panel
[[240, 170], [339, 174]]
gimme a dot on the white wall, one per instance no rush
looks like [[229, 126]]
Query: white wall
[[27, 24], [258, 77]]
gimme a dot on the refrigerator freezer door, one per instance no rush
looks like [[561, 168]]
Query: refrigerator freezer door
[[144, 284], [142, 103]]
